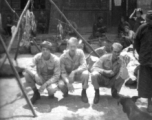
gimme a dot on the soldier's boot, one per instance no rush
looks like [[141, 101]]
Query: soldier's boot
[[97, 96], [84, 97], [35, 97]]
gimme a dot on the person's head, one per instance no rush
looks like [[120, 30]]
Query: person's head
[[72, 45], [116, 50], [149, 17], [139, 12], [126, 28], [122, 19], [106, 45], [46, 48], [100, 19], [41, 13], [59, 22]]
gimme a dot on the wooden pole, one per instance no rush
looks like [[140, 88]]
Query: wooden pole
[[36, 44], [15, 32], [17, 77], [51, 1], [11, 8], [20, 33]]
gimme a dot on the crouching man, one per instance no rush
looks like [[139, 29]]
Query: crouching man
[[46, 74], [74, 68], [105, 72]]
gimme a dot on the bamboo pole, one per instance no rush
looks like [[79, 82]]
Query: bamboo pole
[[51, 1], [17, 76], [15, 32]]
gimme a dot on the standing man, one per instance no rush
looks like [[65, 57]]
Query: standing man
[[106, 72], [47, 72], [143, 46], [9, 25], [74, 68]]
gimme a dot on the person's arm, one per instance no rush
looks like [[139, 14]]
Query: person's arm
[[56, 74], [101, 51], [35, 60], [137, 40], [98, 66], [130, 35], [83, 64], [63, 70], [132, 15]]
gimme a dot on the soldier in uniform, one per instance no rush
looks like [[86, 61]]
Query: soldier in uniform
[[74, 68], [45, 72], [106, 72]]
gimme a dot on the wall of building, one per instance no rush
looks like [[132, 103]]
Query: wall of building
[[122, 8], [145, 5], [18, 6]]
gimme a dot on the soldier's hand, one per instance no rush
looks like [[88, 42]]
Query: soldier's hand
[[70, 87], [116, 68], [41, 89]]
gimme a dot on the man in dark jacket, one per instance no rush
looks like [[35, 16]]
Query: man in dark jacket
[[98, 28], [143, 46]]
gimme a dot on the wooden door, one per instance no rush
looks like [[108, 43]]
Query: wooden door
[[125, 9]]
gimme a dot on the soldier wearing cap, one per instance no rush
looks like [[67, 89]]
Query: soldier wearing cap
[[106, 72], [74, 68], [45, 72], [143, 46]]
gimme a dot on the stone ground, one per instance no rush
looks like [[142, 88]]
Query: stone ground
[[14, 107]]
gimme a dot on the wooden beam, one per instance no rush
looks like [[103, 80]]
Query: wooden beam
[[20, 33], [51, 1], [15, 32], [17, 76], [11, 8], [36, 44]]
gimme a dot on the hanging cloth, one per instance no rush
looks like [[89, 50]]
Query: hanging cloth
[[117, 2]]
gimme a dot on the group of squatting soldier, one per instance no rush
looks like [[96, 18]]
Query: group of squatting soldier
[[53, 73]]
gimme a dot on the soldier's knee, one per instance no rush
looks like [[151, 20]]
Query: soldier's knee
[[52, 89], [62, 86], [94, 75], [27, 75], [85, 75]]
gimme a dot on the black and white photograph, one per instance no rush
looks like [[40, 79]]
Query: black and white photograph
[[75, 59]]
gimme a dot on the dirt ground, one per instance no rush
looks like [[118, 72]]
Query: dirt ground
[[13, 106]]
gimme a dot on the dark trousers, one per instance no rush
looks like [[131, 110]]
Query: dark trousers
[[145, 82]]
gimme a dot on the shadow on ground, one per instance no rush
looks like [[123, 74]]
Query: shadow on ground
[[46, 105]]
